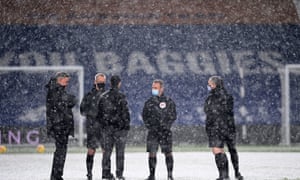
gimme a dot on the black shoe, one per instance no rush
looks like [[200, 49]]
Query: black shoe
[[238, 176], [120, 178], [109, 177], [56, 178], [223, 178], [150, 178], [170, 178], [112, 178], [89, 177]]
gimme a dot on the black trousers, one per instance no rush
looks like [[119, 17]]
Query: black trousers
[[111, 138], [59, 157]]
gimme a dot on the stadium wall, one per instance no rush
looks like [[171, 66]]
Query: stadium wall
[[182, 42]]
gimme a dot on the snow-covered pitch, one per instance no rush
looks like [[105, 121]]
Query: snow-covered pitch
[[188, 166]]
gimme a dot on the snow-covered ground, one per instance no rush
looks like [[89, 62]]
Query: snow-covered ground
[[188, 166]]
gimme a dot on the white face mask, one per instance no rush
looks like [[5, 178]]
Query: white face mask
[[155, 92], [208, 88]]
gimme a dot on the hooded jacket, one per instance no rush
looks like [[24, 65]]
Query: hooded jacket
[[59, 106]]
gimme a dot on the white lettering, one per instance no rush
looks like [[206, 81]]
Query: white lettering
[[6, 59], [11, 136], [271, 57], [14, 137], [169, 63], [240, 59], [70, 58], [139, 61], [224, 62], [200, 63], [248, 62], [36, 139], [55, 59], [32, 58], [108, 62]]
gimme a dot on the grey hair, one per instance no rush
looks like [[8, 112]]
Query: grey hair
[[61, 75], [159, 81], [99, 74], [217, 80]]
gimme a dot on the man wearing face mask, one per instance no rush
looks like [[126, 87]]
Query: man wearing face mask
[[159, 113], [220, 127], [89, 109], [60, 122]]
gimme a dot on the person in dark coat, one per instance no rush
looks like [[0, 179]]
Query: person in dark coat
[[220, 127], [115, 122], [159, 113], [89, 109], [60, 123]]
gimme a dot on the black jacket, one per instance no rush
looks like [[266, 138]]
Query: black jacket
[[59, 106], [219, 113], [159, 113], [113, 110], [89, 106], [89, 103]]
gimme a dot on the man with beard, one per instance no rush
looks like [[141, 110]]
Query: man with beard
[[220, 127], [60, 122], [89, 109]]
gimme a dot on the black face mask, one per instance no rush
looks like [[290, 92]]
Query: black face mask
[[101, 85]]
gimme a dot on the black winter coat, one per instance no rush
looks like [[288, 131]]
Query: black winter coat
[[219, 114], [89, 106], [113, 110], [89, 103], [159, 113], [59, 106]]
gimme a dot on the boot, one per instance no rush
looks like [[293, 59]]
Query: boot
[[152, 165], [108, 177], [120, 178], [222, 164], [170, 178], [89, 177], [151, 177], [169, 163], [238, 176]]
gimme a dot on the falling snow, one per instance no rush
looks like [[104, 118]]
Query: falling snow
[[248, 43]]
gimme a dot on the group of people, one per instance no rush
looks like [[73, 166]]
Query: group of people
[[108, 123]]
